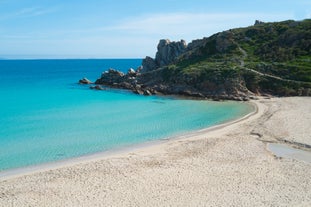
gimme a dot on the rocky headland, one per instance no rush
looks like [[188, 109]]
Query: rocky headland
[[238, 64]]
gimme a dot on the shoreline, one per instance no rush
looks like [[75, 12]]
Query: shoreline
[[230, 164], [121, 151]]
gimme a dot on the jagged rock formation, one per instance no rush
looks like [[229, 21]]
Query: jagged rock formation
[[149, 64], [267, 58], [167, 53], [257, 22]]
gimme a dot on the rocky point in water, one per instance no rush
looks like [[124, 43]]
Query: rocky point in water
[[85, 81], [238, 64]]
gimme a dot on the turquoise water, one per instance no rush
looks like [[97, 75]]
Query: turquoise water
[[46, 116]]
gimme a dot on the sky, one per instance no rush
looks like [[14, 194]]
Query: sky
[[38, 29]]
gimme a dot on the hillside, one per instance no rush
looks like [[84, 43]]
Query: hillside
[[267, 58]]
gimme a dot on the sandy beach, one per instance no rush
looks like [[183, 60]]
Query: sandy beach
[[227, 166]]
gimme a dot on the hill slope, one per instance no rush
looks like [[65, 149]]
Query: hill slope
[[267, 58]]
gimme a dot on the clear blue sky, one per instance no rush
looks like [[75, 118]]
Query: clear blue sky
[[127, 28]]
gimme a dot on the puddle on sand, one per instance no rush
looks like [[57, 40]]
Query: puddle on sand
[[282, 150]]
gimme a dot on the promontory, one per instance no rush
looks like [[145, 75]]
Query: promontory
[[237, 64]]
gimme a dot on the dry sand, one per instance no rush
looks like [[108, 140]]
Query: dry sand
[[228, 166]]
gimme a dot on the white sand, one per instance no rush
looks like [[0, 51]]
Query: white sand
[[229, 166]]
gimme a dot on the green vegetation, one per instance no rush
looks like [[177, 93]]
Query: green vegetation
[[272, 58]]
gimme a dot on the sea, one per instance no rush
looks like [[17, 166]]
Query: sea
[[46, 116]]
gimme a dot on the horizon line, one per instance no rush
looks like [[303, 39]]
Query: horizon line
[[74, 58]]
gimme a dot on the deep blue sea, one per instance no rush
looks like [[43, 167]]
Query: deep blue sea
[[45, 115]]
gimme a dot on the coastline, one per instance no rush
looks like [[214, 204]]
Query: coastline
[[227, 164], [28, 170]]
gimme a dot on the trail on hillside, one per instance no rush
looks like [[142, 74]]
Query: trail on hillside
[[242, 64]]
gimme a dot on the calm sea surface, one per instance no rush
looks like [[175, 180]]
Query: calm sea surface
[[46, 116]]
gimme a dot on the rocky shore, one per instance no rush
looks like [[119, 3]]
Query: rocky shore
[[151, 77]]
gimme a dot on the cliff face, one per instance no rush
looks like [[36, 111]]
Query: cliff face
[[267, 58], [167, 53]]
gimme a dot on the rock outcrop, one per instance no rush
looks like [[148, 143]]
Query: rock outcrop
[[167, 53], [224, 41], [148, 64], [258, 22], [85, 81], [97, 87], [110, 77]]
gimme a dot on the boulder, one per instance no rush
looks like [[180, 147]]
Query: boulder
[[125, 85], [138, 91], [85, 81], [97, 87], [131, 72], [110, 77], [138, 70], [147, 93]]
